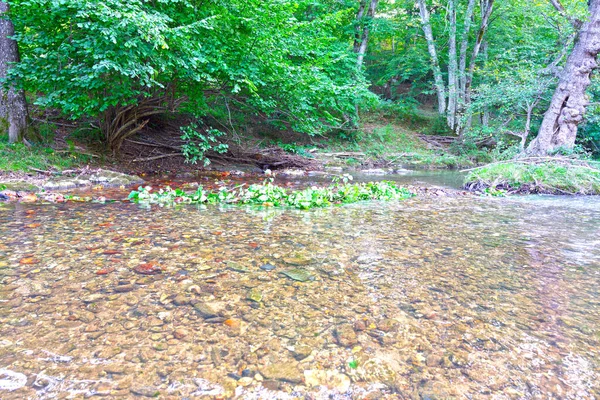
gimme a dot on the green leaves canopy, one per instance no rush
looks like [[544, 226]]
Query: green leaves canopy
[[289, 62]]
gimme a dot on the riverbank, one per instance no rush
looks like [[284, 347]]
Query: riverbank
[[538, 175]]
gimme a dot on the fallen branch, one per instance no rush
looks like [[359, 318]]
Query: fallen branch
[[157, 157]]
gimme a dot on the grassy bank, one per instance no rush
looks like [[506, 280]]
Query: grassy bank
[[20, 158], [551, 176]]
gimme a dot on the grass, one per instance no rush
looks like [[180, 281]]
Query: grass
[[394, 143], [558, 176], [20, 158]]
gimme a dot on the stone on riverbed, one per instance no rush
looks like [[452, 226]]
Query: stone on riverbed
[[374, 171], [330, 379], [345, 336], [209, 310], [100, 177], [287, 372], [146, 391], [298, 274]]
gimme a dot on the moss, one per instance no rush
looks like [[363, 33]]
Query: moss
[[552, 177]]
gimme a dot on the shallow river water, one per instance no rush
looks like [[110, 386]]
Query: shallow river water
[[429, 298]]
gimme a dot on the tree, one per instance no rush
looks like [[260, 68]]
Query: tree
[[361, 29], [13, 107], [459, 78], [435, 63], [569, 102], [117, 63]]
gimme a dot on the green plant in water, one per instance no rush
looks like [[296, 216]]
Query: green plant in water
[[268, 194], [353, 364]]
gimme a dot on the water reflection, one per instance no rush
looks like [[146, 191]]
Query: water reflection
[[428, 298]]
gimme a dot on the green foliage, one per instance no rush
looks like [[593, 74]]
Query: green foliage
[[288, 62], [403, 111], [556, 177], [353, 364], [197, 143], [268, 194], [294, 148]]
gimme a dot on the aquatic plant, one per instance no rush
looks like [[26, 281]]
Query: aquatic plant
[[269, 194]]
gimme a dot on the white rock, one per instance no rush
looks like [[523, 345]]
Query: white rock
[[330, 379], [10, 380]]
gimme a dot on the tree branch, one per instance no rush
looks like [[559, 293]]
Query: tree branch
[[577, 23]]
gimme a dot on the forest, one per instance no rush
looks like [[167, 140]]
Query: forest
[[494, 80]]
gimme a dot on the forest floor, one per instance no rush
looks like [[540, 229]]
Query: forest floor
[[377, 144]]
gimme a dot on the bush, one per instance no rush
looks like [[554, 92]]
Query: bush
[[197, 144]]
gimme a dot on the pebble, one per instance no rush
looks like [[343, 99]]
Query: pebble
[[245, 381], [267, 267]]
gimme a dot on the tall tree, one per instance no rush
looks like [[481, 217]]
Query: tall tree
[[361, 30], [437, 72], [459, 78], [569, 102], [452, 67], [13, 107]]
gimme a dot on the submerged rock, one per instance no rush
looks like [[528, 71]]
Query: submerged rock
[[237, 267], [10, 380], [148, 269], [286, 372], [146, 391], [345, 335], [330, 379], [374, 171], [298, 274], [255, 295], [267, 267]]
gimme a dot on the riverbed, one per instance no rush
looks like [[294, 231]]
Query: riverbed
[[429, 298]]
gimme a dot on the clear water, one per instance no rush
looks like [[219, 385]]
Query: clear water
[[429, 298]]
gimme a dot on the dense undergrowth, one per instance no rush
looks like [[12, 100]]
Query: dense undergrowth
[[558, 176], [268, 194]]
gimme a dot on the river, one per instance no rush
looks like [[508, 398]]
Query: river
[[431, 298]]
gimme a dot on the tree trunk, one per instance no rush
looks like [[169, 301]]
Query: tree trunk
[[437, 73], [357, 26], [361, 49], [464, 46], [13, 107], [452, 68], [567, 107], [487, 6]]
